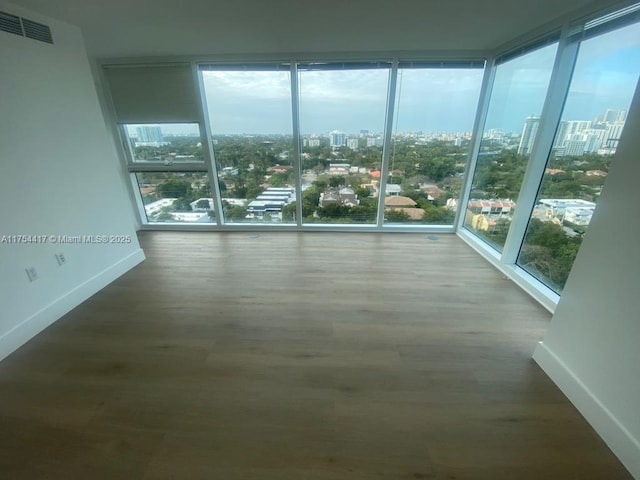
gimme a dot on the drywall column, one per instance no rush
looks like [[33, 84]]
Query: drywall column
[[60, 191], [592, 348]]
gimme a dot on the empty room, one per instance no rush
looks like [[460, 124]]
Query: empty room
[[338, 240]]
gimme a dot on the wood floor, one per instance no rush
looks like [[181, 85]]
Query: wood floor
[[296, 356]]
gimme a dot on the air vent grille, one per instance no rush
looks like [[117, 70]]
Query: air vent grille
[[10, 23], [37, 31], [25, 27]]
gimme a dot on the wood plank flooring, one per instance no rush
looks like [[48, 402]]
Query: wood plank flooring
[[302, 356]]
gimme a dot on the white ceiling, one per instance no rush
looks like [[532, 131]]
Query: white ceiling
[[114, 28]]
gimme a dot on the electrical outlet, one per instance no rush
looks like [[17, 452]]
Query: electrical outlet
[[32, 273], [61, 259]]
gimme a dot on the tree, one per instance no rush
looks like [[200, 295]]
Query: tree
[[289, 212], [320, 184], [336, 181], [202, 203], [174, 188], [548, 252], [333, 210], [397, 216], [437, 215], [183, 204], [236, 213]]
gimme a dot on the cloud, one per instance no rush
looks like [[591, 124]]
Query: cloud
[[429, 99]]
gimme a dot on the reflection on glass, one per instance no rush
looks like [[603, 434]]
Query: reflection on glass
[[433, 123], [165, 143], [176, 197], [250, 112], [342, 115], [518, 94], [593, 118]]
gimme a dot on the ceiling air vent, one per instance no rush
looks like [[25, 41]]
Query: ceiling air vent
[[37, 31], [10, 23], [25, 28]]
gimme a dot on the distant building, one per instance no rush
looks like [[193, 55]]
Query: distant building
[[271, 201], [491, 207], [311, 142], [339, 169], [343, 196], [578, 215], [575, 145], [612, 136], [149, 136], [375, 142], [195, 208], [352, 143], [279, 168], [481, 222], [399, 201], [613, 115], [229, 171], [337, 139], [494, 134], [529, 132], [393, 189], [559, 205]]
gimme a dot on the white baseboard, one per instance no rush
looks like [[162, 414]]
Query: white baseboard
[[30, 327], [620, 440]]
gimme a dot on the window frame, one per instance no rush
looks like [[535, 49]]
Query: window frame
[[570, 30], [570, 38]]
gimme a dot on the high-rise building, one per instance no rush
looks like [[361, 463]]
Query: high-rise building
[[613, 135], [495, 134], [149, 135], [614, 115], [575, 144], [352, 143], [529, 132], [593, 141], [337, 139], [577, 126], [561, 135]]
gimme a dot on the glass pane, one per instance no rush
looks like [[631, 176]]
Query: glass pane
[[176, 197], [517, 98], [342, 115], [434, 118], [250, 113], [166, 143], [602, 86]]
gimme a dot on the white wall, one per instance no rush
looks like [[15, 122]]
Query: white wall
[[592, 348], [59, 176]]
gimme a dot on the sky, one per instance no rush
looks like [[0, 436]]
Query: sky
[[433, 100]]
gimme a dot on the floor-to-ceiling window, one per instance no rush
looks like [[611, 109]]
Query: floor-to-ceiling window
[[602, 85], [249, 110], [386, 144], [517, 97], [435, 107], [157, 110], [342, 120]]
